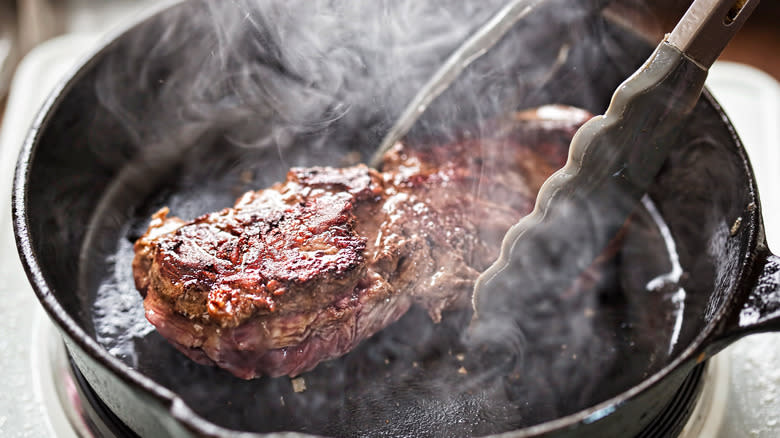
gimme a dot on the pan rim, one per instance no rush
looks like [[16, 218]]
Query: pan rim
[[46, 293]]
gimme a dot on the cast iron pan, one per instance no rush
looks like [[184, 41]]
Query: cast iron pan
[[91, 173]]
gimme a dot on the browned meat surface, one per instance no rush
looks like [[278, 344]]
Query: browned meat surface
[[303, 271]]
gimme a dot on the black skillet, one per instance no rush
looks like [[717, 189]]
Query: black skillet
[[86, 184]]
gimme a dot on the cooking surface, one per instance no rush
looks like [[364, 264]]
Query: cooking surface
[[588, 353], [45, 65]]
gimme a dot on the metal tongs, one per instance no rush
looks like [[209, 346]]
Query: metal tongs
[[612, 161], [477, 45]]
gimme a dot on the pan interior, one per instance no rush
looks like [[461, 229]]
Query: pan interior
[[408, 380], [411, 375]]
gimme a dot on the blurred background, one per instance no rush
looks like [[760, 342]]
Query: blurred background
[[26, 23], [757, 44]]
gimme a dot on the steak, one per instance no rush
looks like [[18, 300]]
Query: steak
[[305, 270]]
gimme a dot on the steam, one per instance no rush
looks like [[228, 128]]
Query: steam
[[306, 82], [270, 75], [267, 73]]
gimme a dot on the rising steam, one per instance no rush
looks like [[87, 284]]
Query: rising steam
[[311, 81]]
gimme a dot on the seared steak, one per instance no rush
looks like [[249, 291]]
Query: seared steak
[[303, 271]]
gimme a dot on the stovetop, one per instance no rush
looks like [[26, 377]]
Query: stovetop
[[741, 385]]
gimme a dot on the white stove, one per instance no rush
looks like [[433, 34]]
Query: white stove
[[741, 395]]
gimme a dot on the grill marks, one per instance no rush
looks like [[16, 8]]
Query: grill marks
[[250, 258], [303, 271]]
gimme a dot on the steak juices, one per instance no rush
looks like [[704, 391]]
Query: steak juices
[[303, 271]]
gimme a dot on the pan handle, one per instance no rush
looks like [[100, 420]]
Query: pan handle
[[759, 310]]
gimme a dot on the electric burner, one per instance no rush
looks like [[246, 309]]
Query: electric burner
[[87, 415], [90, 417], [671, 421], [101, 421]]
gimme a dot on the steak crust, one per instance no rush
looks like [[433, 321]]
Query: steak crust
[[303, 271]]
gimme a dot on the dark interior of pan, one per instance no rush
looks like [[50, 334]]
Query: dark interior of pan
[[189, 110]]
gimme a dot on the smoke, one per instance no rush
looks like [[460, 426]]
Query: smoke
[[268, 73], [308, 81], [272, 75]]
